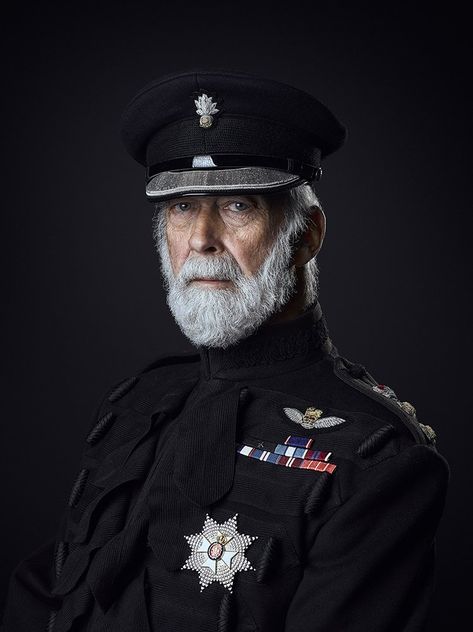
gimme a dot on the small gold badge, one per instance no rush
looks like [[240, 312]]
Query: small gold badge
[[429, 432], [408, 408], [223, 538], [312, 414]]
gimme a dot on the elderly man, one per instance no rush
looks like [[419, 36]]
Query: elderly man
[[264, 482]]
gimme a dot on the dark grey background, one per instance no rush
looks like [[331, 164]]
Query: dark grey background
[[82, 304]]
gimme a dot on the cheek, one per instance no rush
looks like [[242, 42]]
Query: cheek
[[177, 252], [250, 252]]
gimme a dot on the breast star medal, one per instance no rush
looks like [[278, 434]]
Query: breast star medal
[[218, 552]]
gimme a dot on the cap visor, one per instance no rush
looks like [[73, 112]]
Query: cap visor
[[170, 184]]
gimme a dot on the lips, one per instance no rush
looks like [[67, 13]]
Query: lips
[[210, 280]]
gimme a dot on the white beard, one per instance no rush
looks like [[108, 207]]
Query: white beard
[[220, 317]]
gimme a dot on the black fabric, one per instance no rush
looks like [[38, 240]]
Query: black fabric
[[204, 462], [256, 116], [350, 550], [306, 171], [232, 134]]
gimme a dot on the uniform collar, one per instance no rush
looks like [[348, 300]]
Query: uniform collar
[[273, 348]]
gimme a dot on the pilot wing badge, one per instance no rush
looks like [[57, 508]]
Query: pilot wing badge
[[218, 552], [312, 418]]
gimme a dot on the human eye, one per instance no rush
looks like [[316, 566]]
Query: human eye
[[237, 206], [180, 207]]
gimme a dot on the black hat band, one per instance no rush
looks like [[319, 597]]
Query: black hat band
[[237, 135], [225, 161]]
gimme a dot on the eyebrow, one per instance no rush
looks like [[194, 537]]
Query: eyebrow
[[252, 198], [176, 199]]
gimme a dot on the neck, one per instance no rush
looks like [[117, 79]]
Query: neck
[[296, 305]]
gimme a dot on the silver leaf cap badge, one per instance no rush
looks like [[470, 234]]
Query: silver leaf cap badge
[[312, 418], [218, 552], [205, 107]]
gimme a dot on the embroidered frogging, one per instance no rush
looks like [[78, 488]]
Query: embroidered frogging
[[318, 493], [268, 557], [78, 487], [226, 613], [123, 388], [375, 441], [51, 621], [60, 557], [100, 428]]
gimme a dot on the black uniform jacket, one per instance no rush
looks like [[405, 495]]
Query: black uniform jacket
[[269, 486]]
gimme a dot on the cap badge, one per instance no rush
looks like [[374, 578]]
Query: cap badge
[[312, 418], [218, 552], [205, 107]]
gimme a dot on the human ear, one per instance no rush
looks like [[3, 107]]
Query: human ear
[[310, 242]]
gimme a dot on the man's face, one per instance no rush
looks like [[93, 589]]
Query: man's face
[[226, 262], [210, 226]]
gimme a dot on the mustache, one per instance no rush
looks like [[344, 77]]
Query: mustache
[[221, 267]]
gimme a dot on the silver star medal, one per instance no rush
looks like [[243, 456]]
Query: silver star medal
[[205, 107], [312, 418], [218, 552]]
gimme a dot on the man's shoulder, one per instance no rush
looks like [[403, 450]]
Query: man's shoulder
[[388, 442], [142, 390], [361, 422], [367, 393], [342, 408]]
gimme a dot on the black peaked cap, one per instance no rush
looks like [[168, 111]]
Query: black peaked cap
[[250, 133]]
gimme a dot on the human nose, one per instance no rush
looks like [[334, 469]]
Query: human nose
[[206, 232]]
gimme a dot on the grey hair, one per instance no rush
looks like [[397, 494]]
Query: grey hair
[[298, 203]]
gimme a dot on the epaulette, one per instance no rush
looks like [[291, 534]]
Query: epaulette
[[356, 375]]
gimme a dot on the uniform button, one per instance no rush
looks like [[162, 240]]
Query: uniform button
[[429, 432], [408, 408]]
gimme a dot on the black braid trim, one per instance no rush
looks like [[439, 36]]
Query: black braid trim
[[60, 557], [123, 388], [78, 487], [225, 614], [51, 621], [267, 558], [251, 352], [356, 370], [375, 441], [318, 493], [244, 397], [100, 428]]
